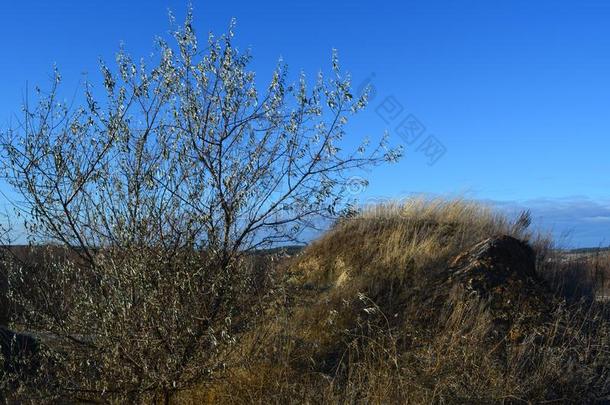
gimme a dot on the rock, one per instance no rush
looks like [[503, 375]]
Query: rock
[[493, 263], [501, 273]]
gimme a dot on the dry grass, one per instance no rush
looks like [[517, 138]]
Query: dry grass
[[578, 276], [365, 315], [419, 235], [362, 319]]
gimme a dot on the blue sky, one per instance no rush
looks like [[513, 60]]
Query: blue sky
[[517, 93]]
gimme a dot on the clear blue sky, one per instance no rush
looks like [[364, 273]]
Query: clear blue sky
[[517, 92]]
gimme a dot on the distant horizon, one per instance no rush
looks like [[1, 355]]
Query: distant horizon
[[567, 221], [502, 103]]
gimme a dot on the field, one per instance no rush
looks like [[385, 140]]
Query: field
[[426, 302]]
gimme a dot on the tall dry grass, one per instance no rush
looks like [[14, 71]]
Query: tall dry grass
[[363, 319], [365, 315]]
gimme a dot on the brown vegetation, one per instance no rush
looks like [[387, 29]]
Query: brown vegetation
[[424, 302], [161, 185], [147, 205], [378, 311]]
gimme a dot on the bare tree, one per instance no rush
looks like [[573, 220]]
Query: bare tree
[[172, 176]]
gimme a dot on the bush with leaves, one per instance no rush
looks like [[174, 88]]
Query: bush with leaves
[[160, 189]]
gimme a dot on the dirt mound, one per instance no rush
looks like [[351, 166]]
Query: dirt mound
[[501, 273], [498, 258], [427, 307]]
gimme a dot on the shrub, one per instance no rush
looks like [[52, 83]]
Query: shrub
[[160, 190]]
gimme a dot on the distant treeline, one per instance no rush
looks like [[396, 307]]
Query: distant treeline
[[589, 250]]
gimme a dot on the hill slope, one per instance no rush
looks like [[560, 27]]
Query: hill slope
[[432, 301]]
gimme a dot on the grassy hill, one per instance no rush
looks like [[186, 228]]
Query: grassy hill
[[422, 302], [403, 304]]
